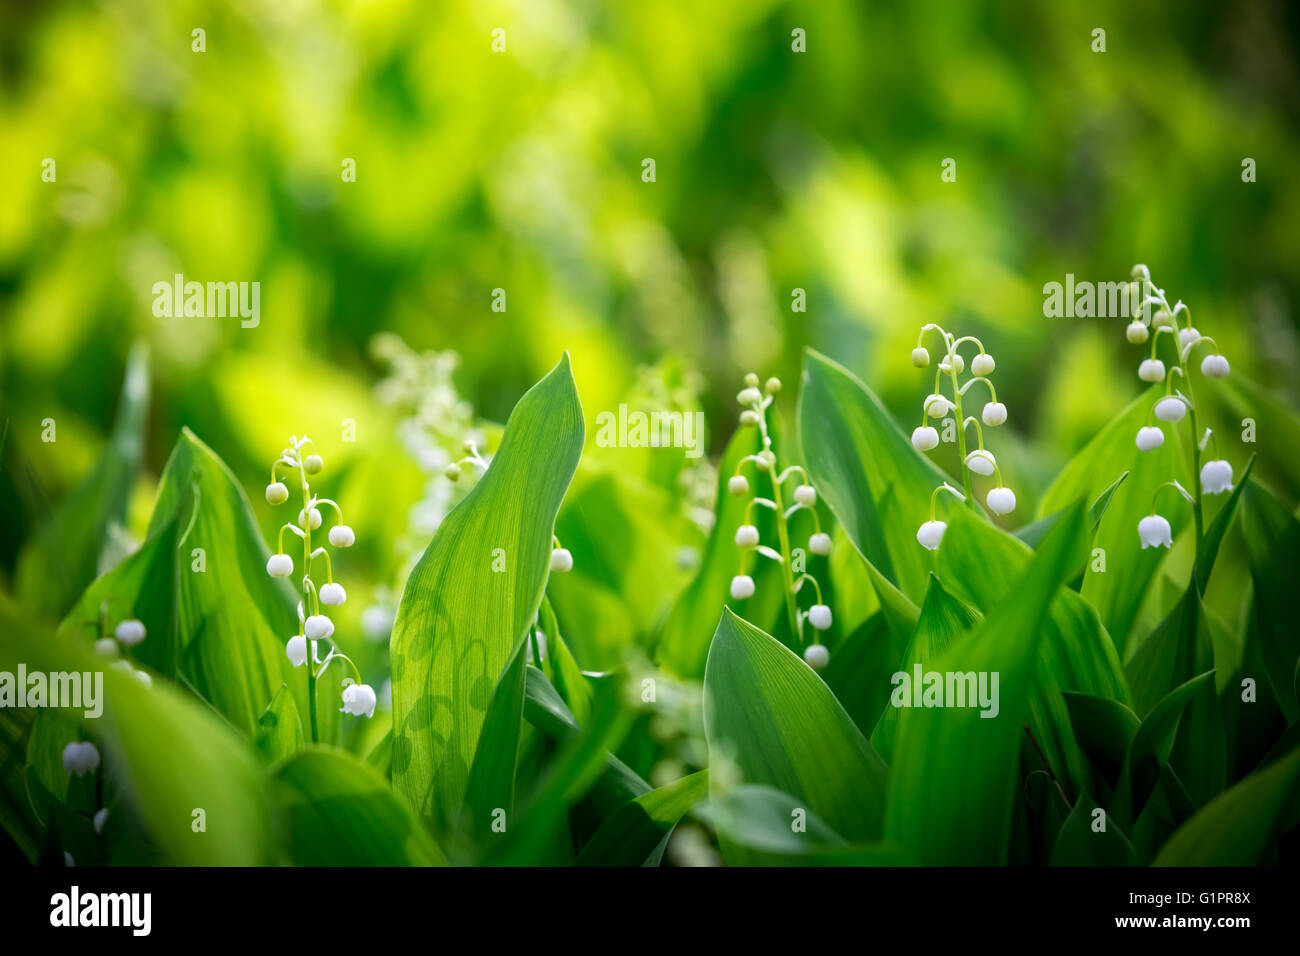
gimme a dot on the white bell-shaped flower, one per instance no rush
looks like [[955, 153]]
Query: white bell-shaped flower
[[817, 656], [805, 495], [296, 650], [1002, 501], [561, 560], [1154, 531], [318, 627], [1214, 366], [925, 437], [1151, 370], [981, 461], [750, 417], [920, 357], [742, 587], [1137, 332], [1216, 477], [359, 700], [313, 464], [315, 518], [341, 536], [80, 757], [749, 396], [819, 616], [332, 594], [947, 363], [982, 365], [937, 406], [276, 493], [1187, 337], [130, 632], [1162, 319], [820, 543], [1170, 409], [100, 818], [995, 413], [931, 533], [279, 566], [746, 536], [107, 647], [737, 485], [1149, 437]]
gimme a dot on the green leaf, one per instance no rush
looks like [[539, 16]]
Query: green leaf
[[636, 833], [279, 729], [763, 819], [1218, 528], [1273, 542], [1032, 534], [492, 776], [1078, 844], [859, 669], [66, 552], [770, 715], [877, 485], [569, 680], [1117, 594], [944, 620], [459, 620], [1241, 826], [334, 810], [167, 755], [1104, 729], [958, 810]]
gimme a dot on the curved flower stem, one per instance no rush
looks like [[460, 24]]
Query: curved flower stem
[[934, 496], [306, 565]]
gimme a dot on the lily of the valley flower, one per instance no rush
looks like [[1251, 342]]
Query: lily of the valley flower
[[318, 627], [296, 650], [80, 757], [742, 587], [315, 519], [1216, 477], [1170, 409], [981, 462], [1152, 370], [817, 656], [819, 616], [561, 559], [931, 533], [820, 543], [1187, 336], [1154, 532], [359, 700], [925, 437], [341, 536], [805, 495], [995, 413], [1137, 332], [920, 357], [982, 365], [276, 493], [1214, 366], [936, 406], [746, 536], [1149, 437], [129, 632], [1001, 501], [332, 594], [279, 566], [737, 485], [100, 818]]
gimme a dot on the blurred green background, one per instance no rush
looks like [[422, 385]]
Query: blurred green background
[[522, 170]]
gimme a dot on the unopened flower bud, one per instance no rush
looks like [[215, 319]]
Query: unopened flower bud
[[765, 459], [332, 594], [561, 560], [276, 493], [820, 543], [746, 536], [1186, 337], [931, 533], [742, 587], [313, 464], [1002, 501], [749, 417], [1141, 273], [279, 566], [817, 656], [920, 358], [1162, 319], [772, 385], [1149, 437], [130, 632], [995, 413], [819, 616], [1170, 409], [107, 647], [341, 536], [452, 472], [1214, 366], [737, 485], [749, 396], [1154, 532], [924, 438], [751, 380], [947, 363], [805, 495], [315, 518], [982, 365], [1151, 370], [937, 406], [100, 818], [1137, 332]]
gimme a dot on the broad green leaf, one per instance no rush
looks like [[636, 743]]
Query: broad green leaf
[[1032, 534], [1273, 541], [568, 677], [763, 819], [636, 833], [683, 645], [1218, 528], [334, 810], [1241, 826], [167, 755], [1081, 843], [460, 618], [958, 810], [859, 669], [874, 481], [492, 775], [769, 714], [279, 729], [1103, 729], [1117, 594], [944, 620], [65, 554]]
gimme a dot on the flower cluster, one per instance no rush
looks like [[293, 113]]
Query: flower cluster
[[754, 404], [937, 406], [1172, 407], [299, 461], [127, 634]]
